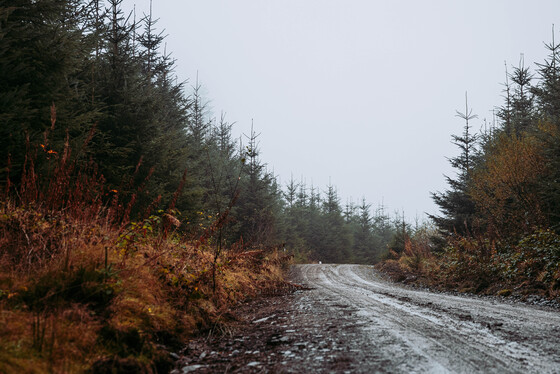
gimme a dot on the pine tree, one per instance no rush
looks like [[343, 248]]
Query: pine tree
[[456, 205], [258, 203], [42, 55], [335, 242], [364, 243], [547, 94], [401, 236], [517, 113], [121, 88]]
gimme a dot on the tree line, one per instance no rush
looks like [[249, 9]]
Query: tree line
[[78, 72], [499, 224], [507, 176]]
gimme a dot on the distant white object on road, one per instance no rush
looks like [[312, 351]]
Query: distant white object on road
[[320, 262]]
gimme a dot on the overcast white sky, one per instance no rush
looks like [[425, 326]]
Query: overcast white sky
[[359, 92]]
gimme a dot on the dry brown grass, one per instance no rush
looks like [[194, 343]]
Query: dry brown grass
[[83, 288], [530, 266], [67, 313]]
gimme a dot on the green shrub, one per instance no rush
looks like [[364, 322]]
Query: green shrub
[[88, 285], [535, 258]]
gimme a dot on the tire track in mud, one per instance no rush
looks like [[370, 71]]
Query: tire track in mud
[[350, 320], [420, 331]]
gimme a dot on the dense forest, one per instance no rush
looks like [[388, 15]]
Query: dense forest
[[86, 83], [131, 216], [110, 84]]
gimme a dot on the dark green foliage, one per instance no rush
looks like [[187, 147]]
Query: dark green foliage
[[547, 90], [68, 66], [91, 63], [317, 228], [364, 243], [41, 58], [92, 286], [547, 93], [537, 257], [549, 187], [403, 233], [501, 216], [518, 112], [456, 205], [259, 199], [127, 97], [334, 237]]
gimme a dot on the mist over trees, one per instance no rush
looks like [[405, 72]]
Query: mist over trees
[[105, 75]]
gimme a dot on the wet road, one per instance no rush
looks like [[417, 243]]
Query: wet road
[[424, 332], [350, 320]]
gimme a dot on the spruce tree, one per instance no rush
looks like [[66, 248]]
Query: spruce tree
[[121, 88], [222, 182], [455, 204], [547, 93], [522, 104], [401, 236], [42, 56], [258, 203], [364, 244], [335, 242], [382, 231], [517, 113]]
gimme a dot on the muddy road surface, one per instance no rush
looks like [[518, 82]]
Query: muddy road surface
[[351, 320]]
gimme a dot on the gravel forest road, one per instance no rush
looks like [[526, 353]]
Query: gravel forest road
[[351, 320], [420, 331]]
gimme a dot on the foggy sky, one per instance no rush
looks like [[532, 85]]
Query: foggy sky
[[361, 93]]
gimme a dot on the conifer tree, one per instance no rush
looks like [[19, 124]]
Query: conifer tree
[[257, 206], [547, 93], [223, 170], [382, 231], [121, 87], [41, 56], [163, 146], [335, 242], [364, 245], [522, 104], [456, 205], [517, 113], [291, 192], [401, 235]]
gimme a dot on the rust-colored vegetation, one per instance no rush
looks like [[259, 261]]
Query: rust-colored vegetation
[[512, 249], [475, 265], [85, 288], [498, 231]]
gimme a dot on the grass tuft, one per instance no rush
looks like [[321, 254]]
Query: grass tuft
[[85, 289]]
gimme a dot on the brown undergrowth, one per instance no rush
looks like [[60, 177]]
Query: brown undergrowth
[[85, 289], [529, 266], [106, 312]]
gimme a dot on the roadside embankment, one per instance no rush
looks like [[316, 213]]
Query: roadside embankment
[[81, 296]]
